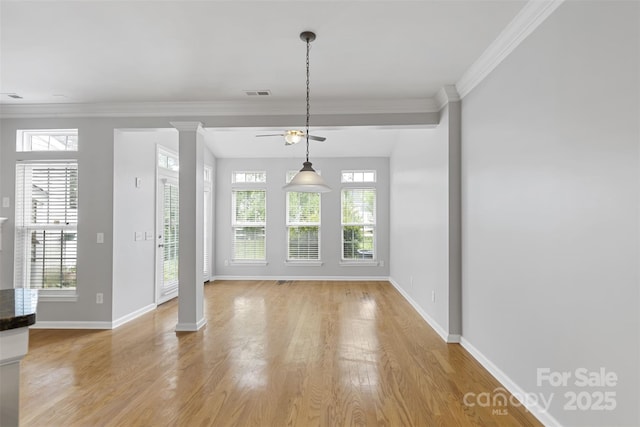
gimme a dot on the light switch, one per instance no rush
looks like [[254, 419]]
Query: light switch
[[148, 235], [137, 236], [138, 182], [100, 238], [6, 202]]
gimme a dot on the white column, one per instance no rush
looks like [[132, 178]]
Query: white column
[[191, 177], [450, 94]]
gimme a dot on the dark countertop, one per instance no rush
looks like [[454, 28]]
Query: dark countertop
[[17, 308]]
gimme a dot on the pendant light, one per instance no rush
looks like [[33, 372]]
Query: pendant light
[[307, 180]]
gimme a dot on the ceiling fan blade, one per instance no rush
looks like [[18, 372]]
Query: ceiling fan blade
[[317, 138], [275, 134]]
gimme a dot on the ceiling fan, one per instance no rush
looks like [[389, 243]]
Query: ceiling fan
[[294, 136]]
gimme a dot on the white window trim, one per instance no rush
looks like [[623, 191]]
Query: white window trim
[[288, 225], [363, 171], [52, 132], [161, 170], [354, 263], [50, 295], [248, 183], [46, 157], [243, 187], [363, 262], [250, 262], [207, 246], [303, 263], [55, 295]]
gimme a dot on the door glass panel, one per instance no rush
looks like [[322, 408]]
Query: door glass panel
[[171, 235]]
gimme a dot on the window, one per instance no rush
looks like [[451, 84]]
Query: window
[[207, 226], [46, 240], [249, 223], [248, 177], [168, 160], [358, 224], [47, 140], [358, 176], [303, 226]]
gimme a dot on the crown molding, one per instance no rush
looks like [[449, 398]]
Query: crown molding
[[445, 95], [525, 22], [216, 108]]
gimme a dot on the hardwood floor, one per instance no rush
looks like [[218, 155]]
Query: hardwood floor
[[297, 353]]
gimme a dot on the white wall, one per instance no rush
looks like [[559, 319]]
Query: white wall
[[276, 169], [419, 221], [134, 210], [95, 189], [550, 208], [96, 180]]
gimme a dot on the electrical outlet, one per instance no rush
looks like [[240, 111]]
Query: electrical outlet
[[6, 202], [433, 296], [100, 238], [99, 298]]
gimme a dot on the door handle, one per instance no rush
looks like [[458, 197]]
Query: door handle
[[161, 246]]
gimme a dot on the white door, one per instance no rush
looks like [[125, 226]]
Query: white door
[[167, 240]]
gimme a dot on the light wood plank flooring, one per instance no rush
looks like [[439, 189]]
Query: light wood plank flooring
[[289, 354]]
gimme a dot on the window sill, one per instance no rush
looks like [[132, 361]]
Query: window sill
[[295, 263], [249, 263], [366, 263], [69, 296]]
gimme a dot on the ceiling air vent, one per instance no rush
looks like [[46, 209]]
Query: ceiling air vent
[[258, 92], [14, 96]]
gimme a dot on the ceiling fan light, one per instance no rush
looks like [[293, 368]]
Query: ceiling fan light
[[292, 138], [307, 181]]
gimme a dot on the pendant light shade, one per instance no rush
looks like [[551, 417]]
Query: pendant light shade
[[307, 180]]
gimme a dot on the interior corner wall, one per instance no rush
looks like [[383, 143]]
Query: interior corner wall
[[420, 221], [551, 210], [134, 211]]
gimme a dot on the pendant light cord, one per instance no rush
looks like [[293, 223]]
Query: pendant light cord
[[308, 108]]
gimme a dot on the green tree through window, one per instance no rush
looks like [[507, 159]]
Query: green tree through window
[[358, 223]]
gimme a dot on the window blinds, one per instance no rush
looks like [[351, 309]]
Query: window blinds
[[248, 223], [46, 225], [303, 226]]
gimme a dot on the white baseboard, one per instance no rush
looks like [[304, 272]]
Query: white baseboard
[[191, 327], [129, 317], [306, 278], [447, 337], [52, 324], [543, 416], [70, 325]]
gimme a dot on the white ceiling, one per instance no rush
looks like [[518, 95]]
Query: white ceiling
[[135, 51], [181, 51]]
